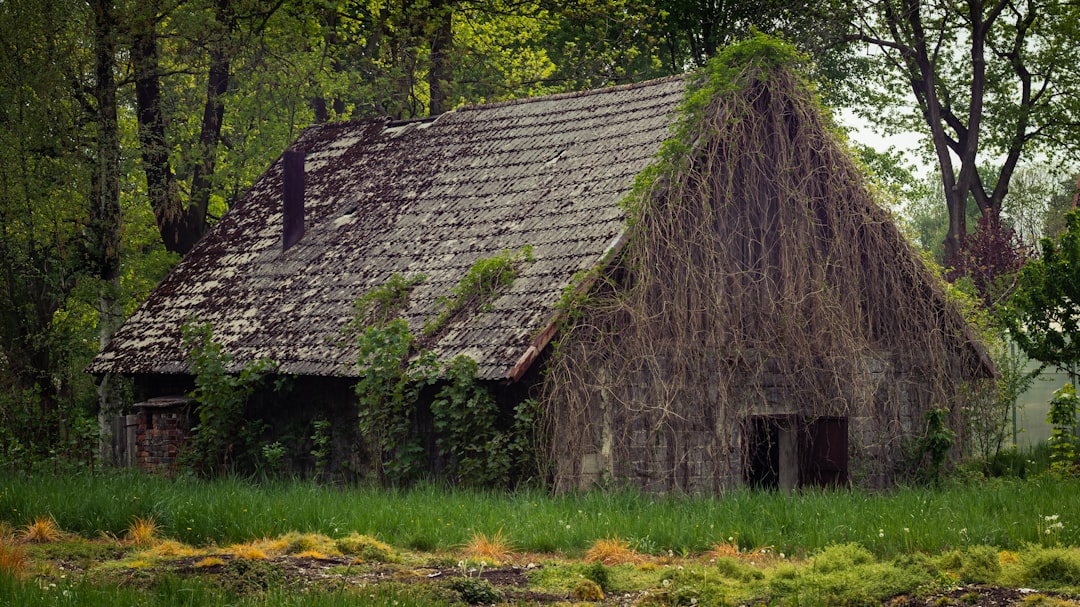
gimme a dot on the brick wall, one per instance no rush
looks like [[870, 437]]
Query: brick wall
[[161, 431]]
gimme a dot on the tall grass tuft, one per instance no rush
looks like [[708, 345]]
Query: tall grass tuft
[[42, 530], [142, 531], [612, 551], [12, 560], [496, 548]]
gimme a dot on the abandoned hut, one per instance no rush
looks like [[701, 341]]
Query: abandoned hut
[[728, 307]]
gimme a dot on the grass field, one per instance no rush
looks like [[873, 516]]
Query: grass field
[[996, 512], [809, 548]]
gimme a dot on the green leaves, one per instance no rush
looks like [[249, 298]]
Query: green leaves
[[1043, 315], [484, 278], [387, 390], [222, 399], [1064, 446]]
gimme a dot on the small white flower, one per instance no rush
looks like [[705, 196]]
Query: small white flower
[[881, 533], [906, 530]]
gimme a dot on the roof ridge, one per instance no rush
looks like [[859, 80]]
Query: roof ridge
[[569, 94]]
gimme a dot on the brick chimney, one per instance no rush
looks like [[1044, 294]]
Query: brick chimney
[[293, 209]]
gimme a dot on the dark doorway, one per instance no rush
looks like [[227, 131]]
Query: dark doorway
[[823, 452], [788, 451], [763, 457]]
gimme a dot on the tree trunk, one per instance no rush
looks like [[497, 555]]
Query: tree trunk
[[193, 223], [105, 216], [441, 74], [161, 183]]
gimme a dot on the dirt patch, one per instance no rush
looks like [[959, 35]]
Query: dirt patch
[[982, 596]]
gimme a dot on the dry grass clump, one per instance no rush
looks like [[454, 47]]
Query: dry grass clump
[[724, 549], [12, 560], [260, 549], [210, 561], [613, 551], [172, 549], [142, 531], [497, 548], [367, 548], [310, 554], [43, 530], [296, 543], [250, 552]]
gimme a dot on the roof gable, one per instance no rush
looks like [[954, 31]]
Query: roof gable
[[426, 197]]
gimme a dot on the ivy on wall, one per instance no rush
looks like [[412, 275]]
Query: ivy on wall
[[478, 447]]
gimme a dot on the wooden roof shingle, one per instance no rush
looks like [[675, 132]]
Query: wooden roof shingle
[[429, 197]]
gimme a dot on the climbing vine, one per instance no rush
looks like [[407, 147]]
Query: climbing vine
[[465, 417], [484, 278], [223, 434], [754, 250], [395, 372], [387, 389], [1064, 447]]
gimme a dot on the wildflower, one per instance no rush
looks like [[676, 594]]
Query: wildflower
[[906, 530], [881, 533]]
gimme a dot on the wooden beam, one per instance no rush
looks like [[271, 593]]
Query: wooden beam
[[551, 327]]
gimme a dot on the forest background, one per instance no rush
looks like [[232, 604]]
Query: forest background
[[127, 128]]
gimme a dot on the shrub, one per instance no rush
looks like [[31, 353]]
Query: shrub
[[1063, 442], [220, 438], [1051, 566], [475, 591], [587, 590]]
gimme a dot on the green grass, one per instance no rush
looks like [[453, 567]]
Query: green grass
[[169, 591], [1002, 513]]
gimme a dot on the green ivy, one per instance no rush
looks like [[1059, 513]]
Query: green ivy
[[384, 302], [465, 416], [322, 445], [388, 388], [222, 435], [394, 372], [1064, 450], [481, 282]]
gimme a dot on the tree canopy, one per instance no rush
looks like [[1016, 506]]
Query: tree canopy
[[990, 82]]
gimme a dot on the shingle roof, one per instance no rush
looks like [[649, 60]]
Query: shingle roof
[[424, 197]]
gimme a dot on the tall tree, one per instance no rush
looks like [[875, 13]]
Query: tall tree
[[986, 78], [161, 187], [105, 216]]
